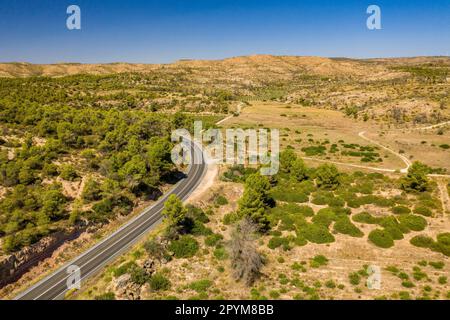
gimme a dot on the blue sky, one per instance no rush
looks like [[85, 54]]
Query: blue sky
[[167, 30]]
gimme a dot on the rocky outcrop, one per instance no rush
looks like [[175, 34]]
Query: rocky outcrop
[[15, 265]]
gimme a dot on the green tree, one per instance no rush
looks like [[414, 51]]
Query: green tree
[[299, 171], [327, 176], [416, 179], [159, 155], [68, 172], [252, 205], [261, 185], [287, 158], [53, 203], [91, 190]]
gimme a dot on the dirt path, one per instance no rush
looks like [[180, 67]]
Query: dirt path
[[362, 135], [403, 158], [433, 126], [445, 199]]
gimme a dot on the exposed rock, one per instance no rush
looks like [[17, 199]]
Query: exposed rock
[[125, 289], [149, 267], [14, 265]]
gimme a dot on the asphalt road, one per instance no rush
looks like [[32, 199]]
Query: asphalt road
[[55, 285]]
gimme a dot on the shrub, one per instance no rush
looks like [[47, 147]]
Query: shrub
[[422, 241], [344, 226], [330, 284], [213, 239], [316, 233], [404, 295], [199, 229], [274, 294], [314, 150], [408, 284], [289, 196], [220, 253], [276, 242], [318, 261], [158, 282], [91, 190], [354, 278], [443, 243], [123, 268], [400, 210], [68, 172], [366, 217], [327, 176], [185, 247], [306, 211], [324, 217], [418, 274], [221, 200], [381, 238], [422, 210], [230, 218], [391, 225], [437, 265], [413, 222], [200, 285], [442, 280], [106, 296], [138, 275]]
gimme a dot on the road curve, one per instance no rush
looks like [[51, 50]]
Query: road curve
[[55, 285]]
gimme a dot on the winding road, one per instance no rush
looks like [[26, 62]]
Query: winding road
[[55, 285]]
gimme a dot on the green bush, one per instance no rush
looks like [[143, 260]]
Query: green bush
[[276, 242], [330, 284], [306, 211], [220, 253], [124, 268], [354, 278], [138, 275], [324, 217], [437, 265], [413, 222], [221, 200], [185, 247], [366, 217], [158, 282], [442, 280], [422, 210], [422, 241], [400, 210], [68, 172], [315, 233], [318, 261], [106, 296], [230, 218], [408, 284], [443, 243], [289, 196], [381, 238], [391, 225], [200, 285], [213, 239]]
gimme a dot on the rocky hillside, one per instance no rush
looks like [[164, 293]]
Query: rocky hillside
[[264, 67]]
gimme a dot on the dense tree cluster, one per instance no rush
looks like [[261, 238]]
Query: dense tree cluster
[[125, 152], [416, 178]]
